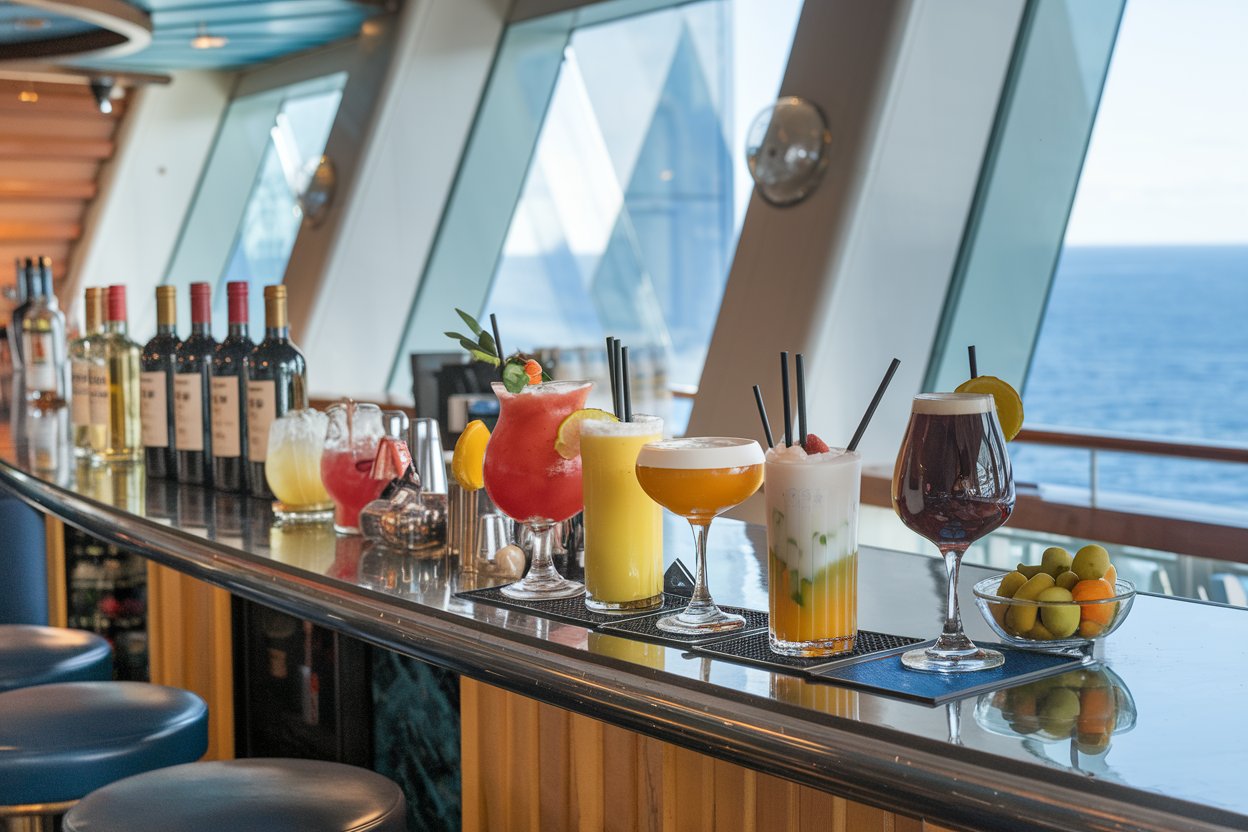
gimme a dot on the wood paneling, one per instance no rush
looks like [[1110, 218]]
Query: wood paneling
[[54, 146], [37, 189], [530, 767], [38, 231]]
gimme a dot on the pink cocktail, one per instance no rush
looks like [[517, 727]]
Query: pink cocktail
[[530, 482], [347, 480]]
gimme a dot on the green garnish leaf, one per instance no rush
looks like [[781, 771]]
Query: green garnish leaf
[[471, 321], [458, 336], [486, 340], [514, 377], [546, 376]]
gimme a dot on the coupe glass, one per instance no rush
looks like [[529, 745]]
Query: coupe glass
[[700, 479], [530, 482], [953, 484]]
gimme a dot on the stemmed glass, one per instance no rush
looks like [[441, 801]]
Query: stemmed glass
[[699, 479], [953, 484], [530, 482]]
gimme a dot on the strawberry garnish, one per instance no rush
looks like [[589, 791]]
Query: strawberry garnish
[[815, 445]]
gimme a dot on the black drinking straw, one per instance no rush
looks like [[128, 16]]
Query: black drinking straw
[[498, 345], [970, 354], [801, 402], [875, 402], [612, 370], [628, 385], [788, 409], [619, 378], [762, 414]]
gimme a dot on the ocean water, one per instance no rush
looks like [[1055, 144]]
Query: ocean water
[[1150, 341]]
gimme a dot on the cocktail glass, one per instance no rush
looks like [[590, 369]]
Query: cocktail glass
[[530, 483], [953, 484], [623, 526], [351, 441], [699, 479], [812, 550], [292, 467]]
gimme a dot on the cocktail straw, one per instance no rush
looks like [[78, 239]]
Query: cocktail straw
[[498, 345], [801, 402], [628, 385], [762, 414], [788, 409], [611, 373], [619, 377], [970, 354], [875, 402]]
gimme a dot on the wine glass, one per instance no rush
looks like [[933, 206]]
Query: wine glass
[[699, 479], [953, 484]]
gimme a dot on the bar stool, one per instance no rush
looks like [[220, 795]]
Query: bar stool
[[60, 742], [252, 795], [31, 655]]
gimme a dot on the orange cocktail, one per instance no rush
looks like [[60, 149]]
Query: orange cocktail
[[699, 479]]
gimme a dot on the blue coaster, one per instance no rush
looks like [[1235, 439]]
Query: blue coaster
[[887, 675]]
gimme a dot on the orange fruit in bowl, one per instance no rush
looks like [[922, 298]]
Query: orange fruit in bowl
[[1096, 589]]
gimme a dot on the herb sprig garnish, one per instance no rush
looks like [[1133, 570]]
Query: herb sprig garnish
[[517, 369]]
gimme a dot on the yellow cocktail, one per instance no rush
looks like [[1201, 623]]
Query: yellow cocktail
[[700, 478], [292, 467], [623, 527]]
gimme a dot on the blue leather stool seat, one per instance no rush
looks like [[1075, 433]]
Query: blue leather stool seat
[[253, 795], [59, 742], [32, 655]]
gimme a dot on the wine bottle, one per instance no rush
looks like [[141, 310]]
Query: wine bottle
[[114, 385], [158, 370], [276, 383], [27, 290], [192, 419], [43, 344], [85, 352], [229, 396]]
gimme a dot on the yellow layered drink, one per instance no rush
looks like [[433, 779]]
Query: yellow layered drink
[[812, 550], [623, 526]]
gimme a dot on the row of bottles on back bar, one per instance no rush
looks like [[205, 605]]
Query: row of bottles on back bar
[[207, 406], [104, 368], [37, 335]]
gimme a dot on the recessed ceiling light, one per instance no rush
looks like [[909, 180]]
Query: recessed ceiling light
[[28, 96], [203, 40]]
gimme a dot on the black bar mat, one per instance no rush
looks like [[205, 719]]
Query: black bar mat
[[886, 675], [755, 648], [646, 627], [568, 610]]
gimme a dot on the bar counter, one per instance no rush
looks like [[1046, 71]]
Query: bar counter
[[1182, 664]]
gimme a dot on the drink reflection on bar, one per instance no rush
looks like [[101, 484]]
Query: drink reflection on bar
[[425, 526]]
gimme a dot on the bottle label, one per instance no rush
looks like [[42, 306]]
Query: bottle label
[[80, 390], [40, 362], [188, 412], [261, 411], [226, 437], [154, 408], [97, 392]]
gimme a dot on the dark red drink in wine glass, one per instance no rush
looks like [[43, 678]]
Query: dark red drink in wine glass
[[953, 484]]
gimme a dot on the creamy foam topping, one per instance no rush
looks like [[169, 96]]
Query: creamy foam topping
[[953, 404], [701, 452], [640, 426], [794, 455]]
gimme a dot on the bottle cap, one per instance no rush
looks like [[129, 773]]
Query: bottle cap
[[166, 305], [117, 303], [237, 292], [201, 303], [94, 308], [275, 307]]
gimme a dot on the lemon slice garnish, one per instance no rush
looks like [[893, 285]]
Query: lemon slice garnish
[[468, 461], [568, 438], [1009, 403]]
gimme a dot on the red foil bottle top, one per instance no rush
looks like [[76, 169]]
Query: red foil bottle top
[[237, 292], [201, 303], [117, 303]]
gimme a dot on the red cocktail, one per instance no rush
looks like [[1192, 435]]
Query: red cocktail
[[355, 430], [530, 482]]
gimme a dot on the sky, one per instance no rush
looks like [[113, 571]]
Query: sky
[[1168, 160]]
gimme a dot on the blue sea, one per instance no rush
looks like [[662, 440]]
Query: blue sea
[[1149, 341]]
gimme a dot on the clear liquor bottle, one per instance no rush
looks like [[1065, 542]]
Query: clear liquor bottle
[[157, 367], [27, 290], [229, 396], [115, 386], [192, 391], [43, 344], [276, 383], [85, 352]]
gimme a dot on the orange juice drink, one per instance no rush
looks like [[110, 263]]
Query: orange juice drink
[[812, 550], [623, 527]]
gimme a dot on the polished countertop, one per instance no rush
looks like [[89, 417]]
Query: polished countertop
[[1176, 672]]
